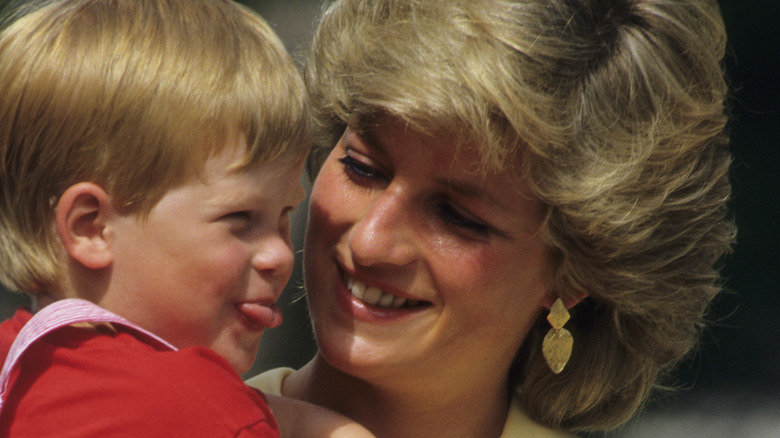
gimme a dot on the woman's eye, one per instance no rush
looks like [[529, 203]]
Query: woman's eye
[[456, 219], [357, 169]]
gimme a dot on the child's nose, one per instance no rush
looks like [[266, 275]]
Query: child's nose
[[275, 257]]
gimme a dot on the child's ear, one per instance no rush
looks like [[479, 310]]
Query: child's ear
[[82, 215]]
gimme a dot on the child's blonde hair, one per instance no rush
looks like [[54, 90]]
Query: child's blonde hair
[[133, 95]]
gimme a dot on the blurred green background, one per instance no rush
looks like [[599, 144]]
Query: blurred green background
[[732, 384]]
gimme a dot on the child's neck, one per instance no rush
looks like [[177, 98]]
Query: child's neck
[[41, 300]]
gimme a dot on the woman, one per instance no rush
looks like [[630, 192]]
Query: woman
[[486, 165]]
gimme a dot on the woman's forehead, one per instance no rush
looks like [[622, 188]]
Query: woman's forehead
[[473, 155]]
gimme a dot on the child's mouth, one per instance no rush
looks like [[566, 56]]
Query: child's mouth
[[259, 315]]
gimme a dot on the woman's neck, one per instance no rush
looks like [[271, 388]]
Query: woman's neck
[[401, 409]]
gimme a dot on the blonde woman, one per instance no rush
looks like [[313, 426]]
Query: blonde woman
[[517, 214]]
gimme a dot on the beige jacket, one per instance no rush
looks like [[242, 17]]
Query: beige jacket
[[518, 423]]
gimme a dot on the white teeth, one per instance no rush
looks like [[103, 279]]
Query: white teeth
[[386, 300], [372, 295], [358, 289], [375, 296]]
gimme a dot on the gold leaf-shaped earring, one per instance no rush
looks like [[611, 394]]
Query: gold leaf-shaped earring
[[557, 344]]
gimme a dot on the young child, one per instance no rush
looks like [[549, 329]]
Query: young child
[[150, 154]]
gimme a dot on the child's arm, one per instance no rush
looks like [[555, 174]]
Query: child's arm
[[299, 419]]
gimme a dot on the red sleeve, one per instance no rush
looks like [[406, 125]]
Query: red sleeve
[[10, 328], [93, 385]]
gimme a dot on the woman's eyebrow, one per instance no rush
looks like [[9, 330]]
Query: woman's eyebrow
[[370, 139], [470, 190], [463, 188]]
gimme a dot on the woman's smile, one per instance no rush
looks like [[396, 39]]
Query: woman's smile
[[377, 297]]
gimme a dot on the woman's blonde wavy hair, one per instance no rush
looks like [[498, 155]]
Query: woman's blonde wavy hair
[[133, 95], [616, 110]]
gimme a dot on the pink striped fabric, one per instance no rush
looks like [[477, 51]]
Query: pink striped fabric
[[61, 314]]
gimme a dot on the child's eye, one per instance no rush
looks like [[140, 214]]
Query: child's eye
[[456, 219], [240, 221], [360, 170], [284, 219], [244, 216]]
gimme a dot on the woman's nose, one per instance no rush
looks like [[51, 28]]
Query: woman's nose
[[384, 234]]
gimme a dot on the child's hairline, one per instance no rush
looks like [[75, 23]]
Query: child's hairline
[[246, 162]]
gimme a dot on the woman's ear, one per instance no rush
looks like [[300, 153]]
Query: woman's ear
[[82, 215], [569, 300]]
